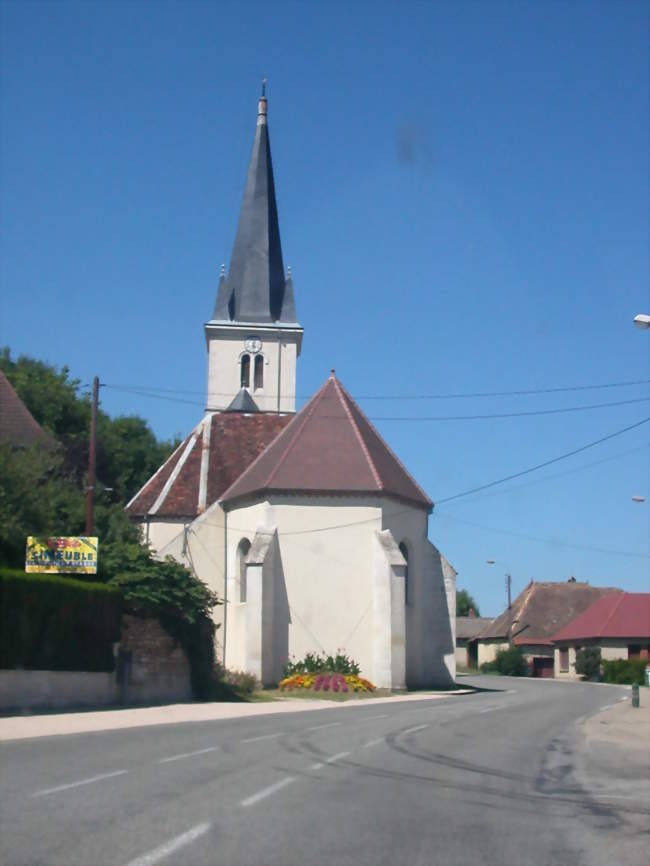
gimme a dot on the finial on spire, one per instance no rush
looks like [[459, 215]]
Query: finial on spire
[[332, 373], [288, 272], [261, 106], [223, 270]]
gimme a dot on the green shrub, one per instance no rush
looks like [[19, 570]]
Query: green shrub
[[55, 623], [508, 662], [314, 663], [241, 682], [588, 662], [624, 671]]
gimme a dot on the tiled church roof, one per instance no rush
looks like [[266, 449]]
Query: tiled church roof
[[17, 424], [329, 447], [217, 451]]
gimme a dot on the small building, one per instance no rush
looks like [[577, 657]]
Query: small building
[[536, 615], [618, 624], [467, 629]]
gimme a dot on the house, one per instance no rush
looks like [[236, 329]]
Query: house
[[467, 629], [617, 623], [18, 427], [306, 524], [536, 615]]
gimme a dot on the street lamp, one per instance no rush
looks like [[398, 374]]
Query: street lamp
[[508, 588], [642, 320]]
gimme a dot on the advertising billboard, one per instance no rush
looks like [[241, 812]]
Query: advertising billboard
[[62, 555]]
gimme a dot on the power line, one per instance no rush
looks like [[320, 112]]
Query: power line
[[545, 463], [409, 418], [436, 396], [536, 538], [558, 474]]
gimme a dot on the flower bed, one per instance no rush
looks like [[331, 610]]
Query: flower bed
[[326, 682]]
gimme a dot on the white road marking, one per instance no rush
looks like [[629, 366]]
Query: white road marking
[[320, 727], [374, 742], [187, 755], [372, 718], [265, 737], [489, 709], [413, 730], [511, 692], [337, 757], [265, 792], [80, 782], [170, 847]]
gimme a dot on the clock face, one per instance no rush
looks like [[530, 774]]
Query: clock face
[[253, 344]]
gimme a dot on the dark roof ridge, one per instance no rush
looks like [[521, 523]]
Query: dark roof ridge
[[315, 400], [342, 396], [383, 442]]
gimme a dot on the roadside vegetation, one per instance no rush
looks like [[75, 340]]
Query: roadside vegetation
[[43, 494], [509, 662]]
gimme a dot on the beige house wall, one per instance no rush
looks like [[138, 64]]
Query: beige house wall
[[487, 650], [610, 650]]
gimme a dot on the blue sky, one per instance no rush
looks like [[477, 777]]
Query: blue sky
[[463, 199]]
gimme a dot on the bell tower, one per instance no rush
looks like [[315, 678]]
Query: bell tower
[[253, 337]]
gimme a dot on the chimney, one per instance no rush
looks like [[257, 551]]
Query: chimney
[[470, 613]]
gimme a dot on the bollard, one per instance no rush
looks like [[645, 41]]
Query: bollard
[[635, 695]]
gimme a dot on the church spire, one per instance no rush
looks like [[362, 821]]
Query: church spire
[[256, 290]]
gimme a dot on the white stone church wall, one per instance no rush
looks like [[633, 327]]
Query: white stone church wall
[[325, 562]]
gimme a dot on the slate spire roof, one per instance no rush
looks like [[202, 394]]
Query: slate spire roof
[[255, 289], [328, 447]]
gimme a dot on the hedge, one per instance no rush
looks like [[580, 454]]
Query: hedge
[[54, 623], [624, 671]]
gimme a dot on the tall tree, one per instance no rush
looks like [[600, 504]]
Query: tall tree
[[465, 603]]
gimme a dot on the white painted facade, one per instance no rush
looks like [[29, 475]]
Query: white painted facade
[[278, 347], [326, 574]]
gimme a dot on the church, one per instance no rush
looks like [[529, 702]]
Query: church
[[305, 523]]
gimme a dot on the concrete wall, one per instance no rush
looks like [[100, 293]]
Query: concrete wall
[[21, 690], [151, 668], [280, 349]]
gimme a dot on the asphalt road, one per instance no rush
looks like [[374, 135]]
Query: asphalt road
[[488, 778]]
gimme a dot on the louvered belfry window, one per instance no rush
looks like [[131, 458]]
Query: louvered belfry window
[[245, 371], [259, 372]]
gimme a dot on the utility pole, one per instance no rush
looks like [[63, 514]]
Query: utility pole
[[90, 496], [508, 585]]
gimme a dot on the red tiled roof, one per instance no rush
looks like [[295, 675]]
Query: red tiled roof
[[329, 447], [621, 614], [17, 424], [543, 608], [188, 483]]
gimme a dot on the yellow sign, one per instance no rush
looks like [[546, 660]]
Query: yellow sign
[[62, 555]]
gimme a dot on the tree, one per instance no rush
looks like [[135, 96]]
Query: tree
[[128, 452], [465, 602], [588, 662]]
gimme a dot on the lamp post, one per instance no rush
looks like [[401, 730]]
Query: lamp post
[[642, 320], [508, 591]]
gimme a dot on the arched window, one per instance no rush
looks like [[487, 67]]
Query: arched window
[[259, 372], [242, 552], [245, 371], [403, 549]]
